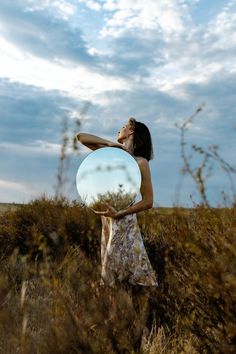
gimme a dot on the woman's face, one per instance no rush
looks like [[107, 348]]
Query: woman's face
[[124, 132]]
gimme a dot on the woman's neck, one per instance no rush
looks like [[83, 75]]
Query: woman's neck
[[129, 144]]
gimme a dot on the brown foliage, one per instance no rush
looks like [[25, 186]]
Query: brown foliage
[[51, 300]]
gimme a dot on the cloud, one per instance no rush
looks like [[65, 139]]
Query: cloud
[[35, 148], [92, 5], [13, 191], [134, 55], [13, 186], [79, 83], [37, 32], [168, 63], [33, 117], [167, 17], [39, 148], [30, 113]]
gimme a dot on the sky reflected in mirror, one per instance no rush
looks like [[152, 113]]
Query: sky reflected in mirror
[[109, 174]]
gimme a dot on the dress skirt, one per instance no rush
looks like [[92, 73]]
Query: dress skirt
[[123, 254]]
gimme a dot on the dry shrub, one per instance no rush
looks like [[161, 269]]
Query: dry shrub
[[51, 300], [161, 341], [49, 226], [61, 308], [195, 252]]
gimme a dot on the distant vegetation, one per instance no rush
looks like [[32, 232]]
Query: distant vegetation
[[119, 200]]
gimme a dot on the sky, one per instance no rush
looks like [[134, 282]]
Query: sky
[[157, 61]]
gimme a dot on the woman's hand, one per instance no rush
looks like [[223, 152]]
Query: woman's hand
[[110, 212]]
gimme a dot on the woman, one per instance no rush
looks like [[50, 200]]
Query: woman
[[123, 255]]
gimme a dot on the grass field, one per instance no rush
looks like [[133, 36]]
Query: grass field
[[13, 206], [51, 300], [8, 206]]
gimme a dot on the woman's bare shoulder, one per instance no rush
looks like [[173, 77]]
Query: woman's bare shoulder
[[141, 160], [142, 164]]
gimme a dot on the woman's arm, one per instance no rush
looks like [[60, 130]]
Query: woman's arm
[[94, 142], [146, 191]]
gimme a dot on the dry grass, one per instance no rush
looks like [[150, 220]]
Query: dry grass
[[8, 206], [51, 300]]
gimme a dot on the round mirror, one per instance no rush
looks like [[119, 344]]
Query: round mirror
[[108, 175]]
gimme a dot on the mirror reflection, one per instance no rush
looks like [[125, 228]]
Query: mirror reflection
[[108, 175]]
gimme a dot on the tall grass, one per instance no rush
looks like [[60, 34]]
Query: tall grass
[[51, 300]]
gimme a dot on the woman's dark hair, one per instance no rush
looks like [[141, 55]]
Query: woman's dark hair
[[142, 139]]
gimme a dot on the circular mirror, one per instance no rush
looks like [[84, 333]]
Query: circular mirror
[[108, 175]]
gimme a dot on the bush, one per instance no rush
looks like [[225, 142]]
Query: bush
[[49, 226]]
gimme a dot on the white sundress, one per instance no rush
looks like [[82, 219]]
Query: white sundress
[[123, 254]]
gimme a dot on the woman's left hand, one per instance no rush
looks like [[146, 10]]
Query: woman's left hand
[[110, 212]]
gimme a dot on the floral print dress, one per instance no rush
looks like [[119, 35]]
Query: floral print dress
[[123, 255]]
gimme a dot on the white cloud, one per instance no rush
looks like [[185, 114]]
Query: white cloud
[[40, 148], [197, 56], [183, 52], [18, 192], [9, 50], [65, 8], [93, 5], [173, 78], [78, 82], [15, 186], [62, 8], [168, 17], [222, 30]]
